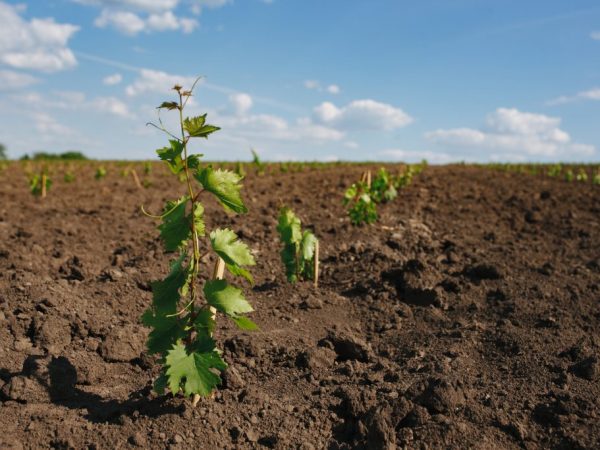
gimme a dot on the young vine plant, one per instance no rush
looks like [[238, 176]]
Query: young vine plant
[[182, 317], [300, 248]]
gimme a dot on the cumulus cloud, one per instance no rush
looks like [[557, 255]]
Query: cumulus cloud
[[510, 132], [155, 81], [130, 23], [241, 103], [333, 89], [38, 44], [10, 80], [75, 101], [113, 79], [362, 115], [135, 16], [591, 94], [140, 5]]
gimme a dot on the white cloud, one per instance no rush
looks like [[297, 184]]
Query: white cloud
[[113, 79], [315, 85], [124, 21], [591, 94], [155, 81], [40, 44], [150, 6], [415, 155], [134, 16], [75, 101], [111, 105], [10, 80], [241, 103], [46, 124], [362, 115], [595, 35], [130, 23], [512, 132], [312, 84], [333, 89]]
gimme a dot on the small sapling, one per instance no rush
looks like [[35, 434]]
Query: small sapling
[[40, 184], [569, 176], [361, 207], [182, 316], [258, 164], [300, 253], [100, 173]]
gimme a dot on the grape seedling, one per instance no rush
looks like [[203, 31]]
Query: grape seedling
[[300, 254], [40, 184], [182, 318]]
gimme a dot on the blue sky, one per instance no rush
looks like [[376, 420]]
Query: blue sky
[[475, 80]]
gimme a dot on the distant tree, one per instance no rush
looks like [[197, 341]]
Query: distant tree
[[2, 152]]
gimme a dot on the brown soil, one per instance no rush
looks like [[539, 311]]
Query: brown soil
[[467, 317]]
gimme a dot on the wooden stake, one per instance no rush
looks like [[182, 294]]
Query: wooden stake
[[369, 179], [44, 185], [316, 264], [218, 273], [136, 178]]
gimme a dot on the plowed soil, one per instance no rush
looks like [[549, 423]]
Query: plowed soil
[[467, 317]]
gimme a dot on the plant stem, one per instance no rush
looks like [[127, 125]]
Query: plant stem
[[195, 245]]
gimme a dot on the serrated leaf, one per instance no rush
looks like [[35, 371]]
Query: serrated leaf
[[175, 229], [193, 372], [166, 292], [169, 105], [226, 298], [193, 161], [172, 155], [228, 246], [196, 126], [205, 324], [243, 323], [199, 219], [165, 332], [307, 247], [240, 272], [225, 185]]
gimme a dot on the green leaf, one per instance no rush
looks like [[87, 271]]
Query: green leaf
[[288, 256], [165, 332], [172, 155], [193, 161], [169, 105], [196, 126], [205, 324], [289, 227], [243, 323], [225, 185], [240, 272], [226, 298], [228, 246], [166, 292], [193, 372], [309, 241], [175, 229], [199, 219]]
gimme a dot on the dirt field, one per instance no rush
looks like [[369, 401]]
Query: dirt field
[[467, 317]]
